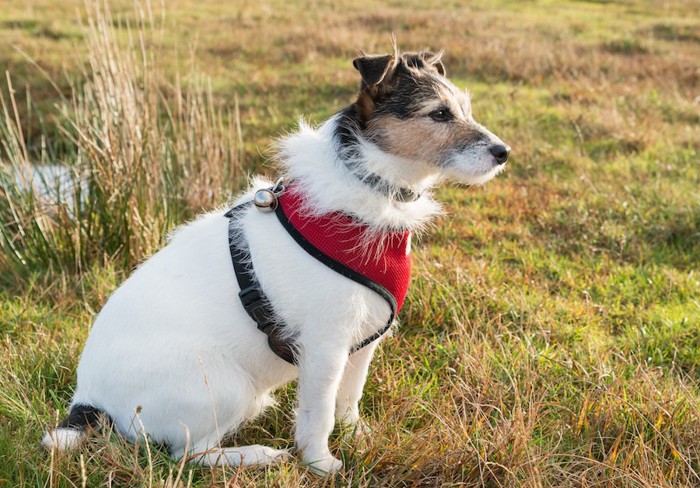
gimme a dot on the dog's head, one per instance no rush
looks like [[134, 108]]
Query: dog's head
[[408, 108]]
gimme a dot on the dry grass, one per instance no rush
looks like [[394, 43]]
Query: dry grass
[[139, 153], [552, 333]]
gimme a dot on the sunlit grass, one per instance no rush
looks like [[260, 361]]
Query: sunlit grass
[[137, 153]]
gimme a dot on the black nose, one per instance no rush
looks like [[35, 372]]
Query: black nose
[[500, 152]]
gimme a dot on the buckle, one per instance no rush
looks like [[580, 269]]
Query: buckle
[[255, 304]]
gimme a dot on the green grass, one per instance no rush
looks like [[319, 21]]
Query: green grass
[[551, 336]]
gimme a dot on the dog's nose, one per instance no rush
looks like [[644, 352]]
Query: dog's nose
[[500, 152]]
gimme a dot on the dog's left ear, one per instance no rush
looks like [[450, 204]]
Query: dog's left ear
[[373, 69], [435, 60]]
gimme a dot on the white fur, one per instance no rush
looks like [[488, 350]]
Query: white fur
[[474, 165], [173, 355], [62, 439]]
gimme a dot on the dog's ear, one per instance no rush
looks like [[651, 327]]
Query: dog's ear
[[425, 60], [435, 60], [373, 69]]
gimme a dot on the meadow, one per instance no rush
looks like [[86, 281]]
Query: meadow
[[551, 336]]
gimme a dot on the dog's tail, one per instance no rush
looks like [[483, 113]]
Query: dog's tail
[[72, 430]]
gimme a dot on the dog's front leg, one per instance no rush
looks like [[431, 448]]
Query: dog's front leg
[[320, 372], [347, 404]]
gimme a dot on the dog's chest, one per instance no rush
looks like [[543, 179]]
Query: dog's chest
[[304, 290]]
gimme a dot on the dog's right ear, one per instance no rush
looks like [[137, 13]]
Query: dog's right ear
[[373, 69]]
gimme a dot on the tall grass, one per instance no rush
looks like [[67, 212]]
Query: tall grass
[[137, 154]]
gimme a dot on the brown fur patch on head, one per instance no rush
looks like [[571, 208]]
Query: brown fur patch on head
[[421, 138], [365, 105]]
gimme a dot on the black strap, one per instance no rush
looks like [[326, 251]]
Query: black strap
[[251, 295], [257, 305]]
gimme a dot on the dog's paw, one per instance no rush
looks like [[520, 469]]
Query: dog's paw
[[361, 429], [274, 456], [355, 431], [324, 466]]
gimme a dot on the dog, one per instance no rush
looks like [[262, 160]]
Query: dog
[[175, 356]]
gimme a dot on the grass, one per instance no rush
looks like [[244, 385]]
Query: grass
[[138, 157], [551, 336]]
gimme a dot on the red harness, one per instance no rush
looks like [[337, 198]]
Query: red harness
[[336, 240], [386, 262]]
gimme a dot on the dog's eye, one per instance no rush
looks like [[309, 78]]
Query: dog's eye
[[441, 115]]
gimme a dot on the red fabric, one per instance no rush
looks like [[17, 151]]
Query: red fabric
[[339, 237]]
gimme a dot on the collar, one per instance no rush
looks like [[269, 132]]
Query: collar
[[379, 184], [348, 142]]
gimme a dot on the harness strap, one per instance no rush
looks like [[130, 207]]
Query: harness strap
[[252, 297], [257, 305]]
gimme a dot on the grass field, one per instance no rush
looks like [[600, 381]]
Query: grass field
[[551, 336]]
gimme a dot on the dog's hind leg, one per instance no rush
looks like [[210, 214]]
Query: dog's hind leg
[[255, 455]]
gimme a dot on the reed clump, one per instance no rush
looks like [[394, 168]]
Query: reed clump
[[130, 155]]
